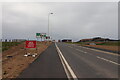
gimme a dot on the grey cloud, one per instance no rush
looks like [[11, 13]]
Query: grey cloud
[[70, 20], [0, 21]]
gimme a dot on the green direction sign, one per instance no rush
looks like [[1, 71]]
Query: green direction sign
[[44, 35], [38, 34]]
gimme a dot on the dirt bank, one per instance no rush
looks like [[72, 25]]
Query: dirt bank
[[14, 61]]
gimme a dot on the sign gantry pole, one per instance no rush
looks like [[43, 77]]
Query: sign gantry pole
[[48, 22]]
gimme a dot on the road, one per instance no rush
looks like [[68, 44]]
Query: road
[[76, 61], [87, 63], [47, 65]]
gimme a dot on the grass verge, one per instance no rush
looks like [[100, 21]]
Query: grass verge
[[7, 45]]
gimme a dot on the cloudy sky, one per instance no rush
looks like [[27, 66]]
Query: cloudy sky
[[73, 20]]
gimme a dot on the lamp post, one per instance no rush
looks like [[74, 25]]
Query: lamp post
[[48, 22]]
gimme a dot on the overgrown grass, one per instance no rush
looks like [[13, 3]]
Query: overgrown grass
[[0, 47], [7, 45]]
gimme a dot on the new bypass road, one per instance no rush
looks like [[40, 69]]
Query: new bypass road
[[62, 60]]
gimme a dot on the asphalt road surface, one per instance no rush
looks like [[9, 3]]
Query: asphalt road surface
[[47, 65], [87, 63], [83, 63]]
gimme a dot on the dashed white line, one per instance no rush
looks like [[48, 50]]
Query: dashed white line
[[98, 56], [78, 49], [107, 60], [70, 46], [81, 50]]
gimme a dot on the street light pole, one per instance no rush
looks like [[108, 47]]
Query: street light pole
[[48, 22]]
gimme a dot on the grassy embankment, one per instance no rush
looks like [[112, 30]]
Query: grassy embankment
[[7, 45], [0, 47]]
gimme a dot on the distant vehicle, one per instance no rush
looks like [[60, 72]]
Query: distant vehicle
[[92, 44]]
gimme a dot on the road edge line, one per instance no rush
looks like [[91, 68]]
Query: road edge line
[[110, 53], [64, 62]]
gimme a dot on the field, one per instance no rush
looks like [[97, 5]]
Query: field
[[0, 47], [7, 45]]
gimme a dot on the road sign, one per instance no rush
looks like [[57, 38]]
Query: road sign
[[44, 35], [47, 37], [30, 44], [38, 34]]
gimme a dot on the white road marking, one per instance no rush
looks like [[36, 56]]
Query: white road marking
[[64, 62], [81, 50], [77, 49], [98, 56], [107, 60], [85, 52], [101, 51], [70, 46]]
